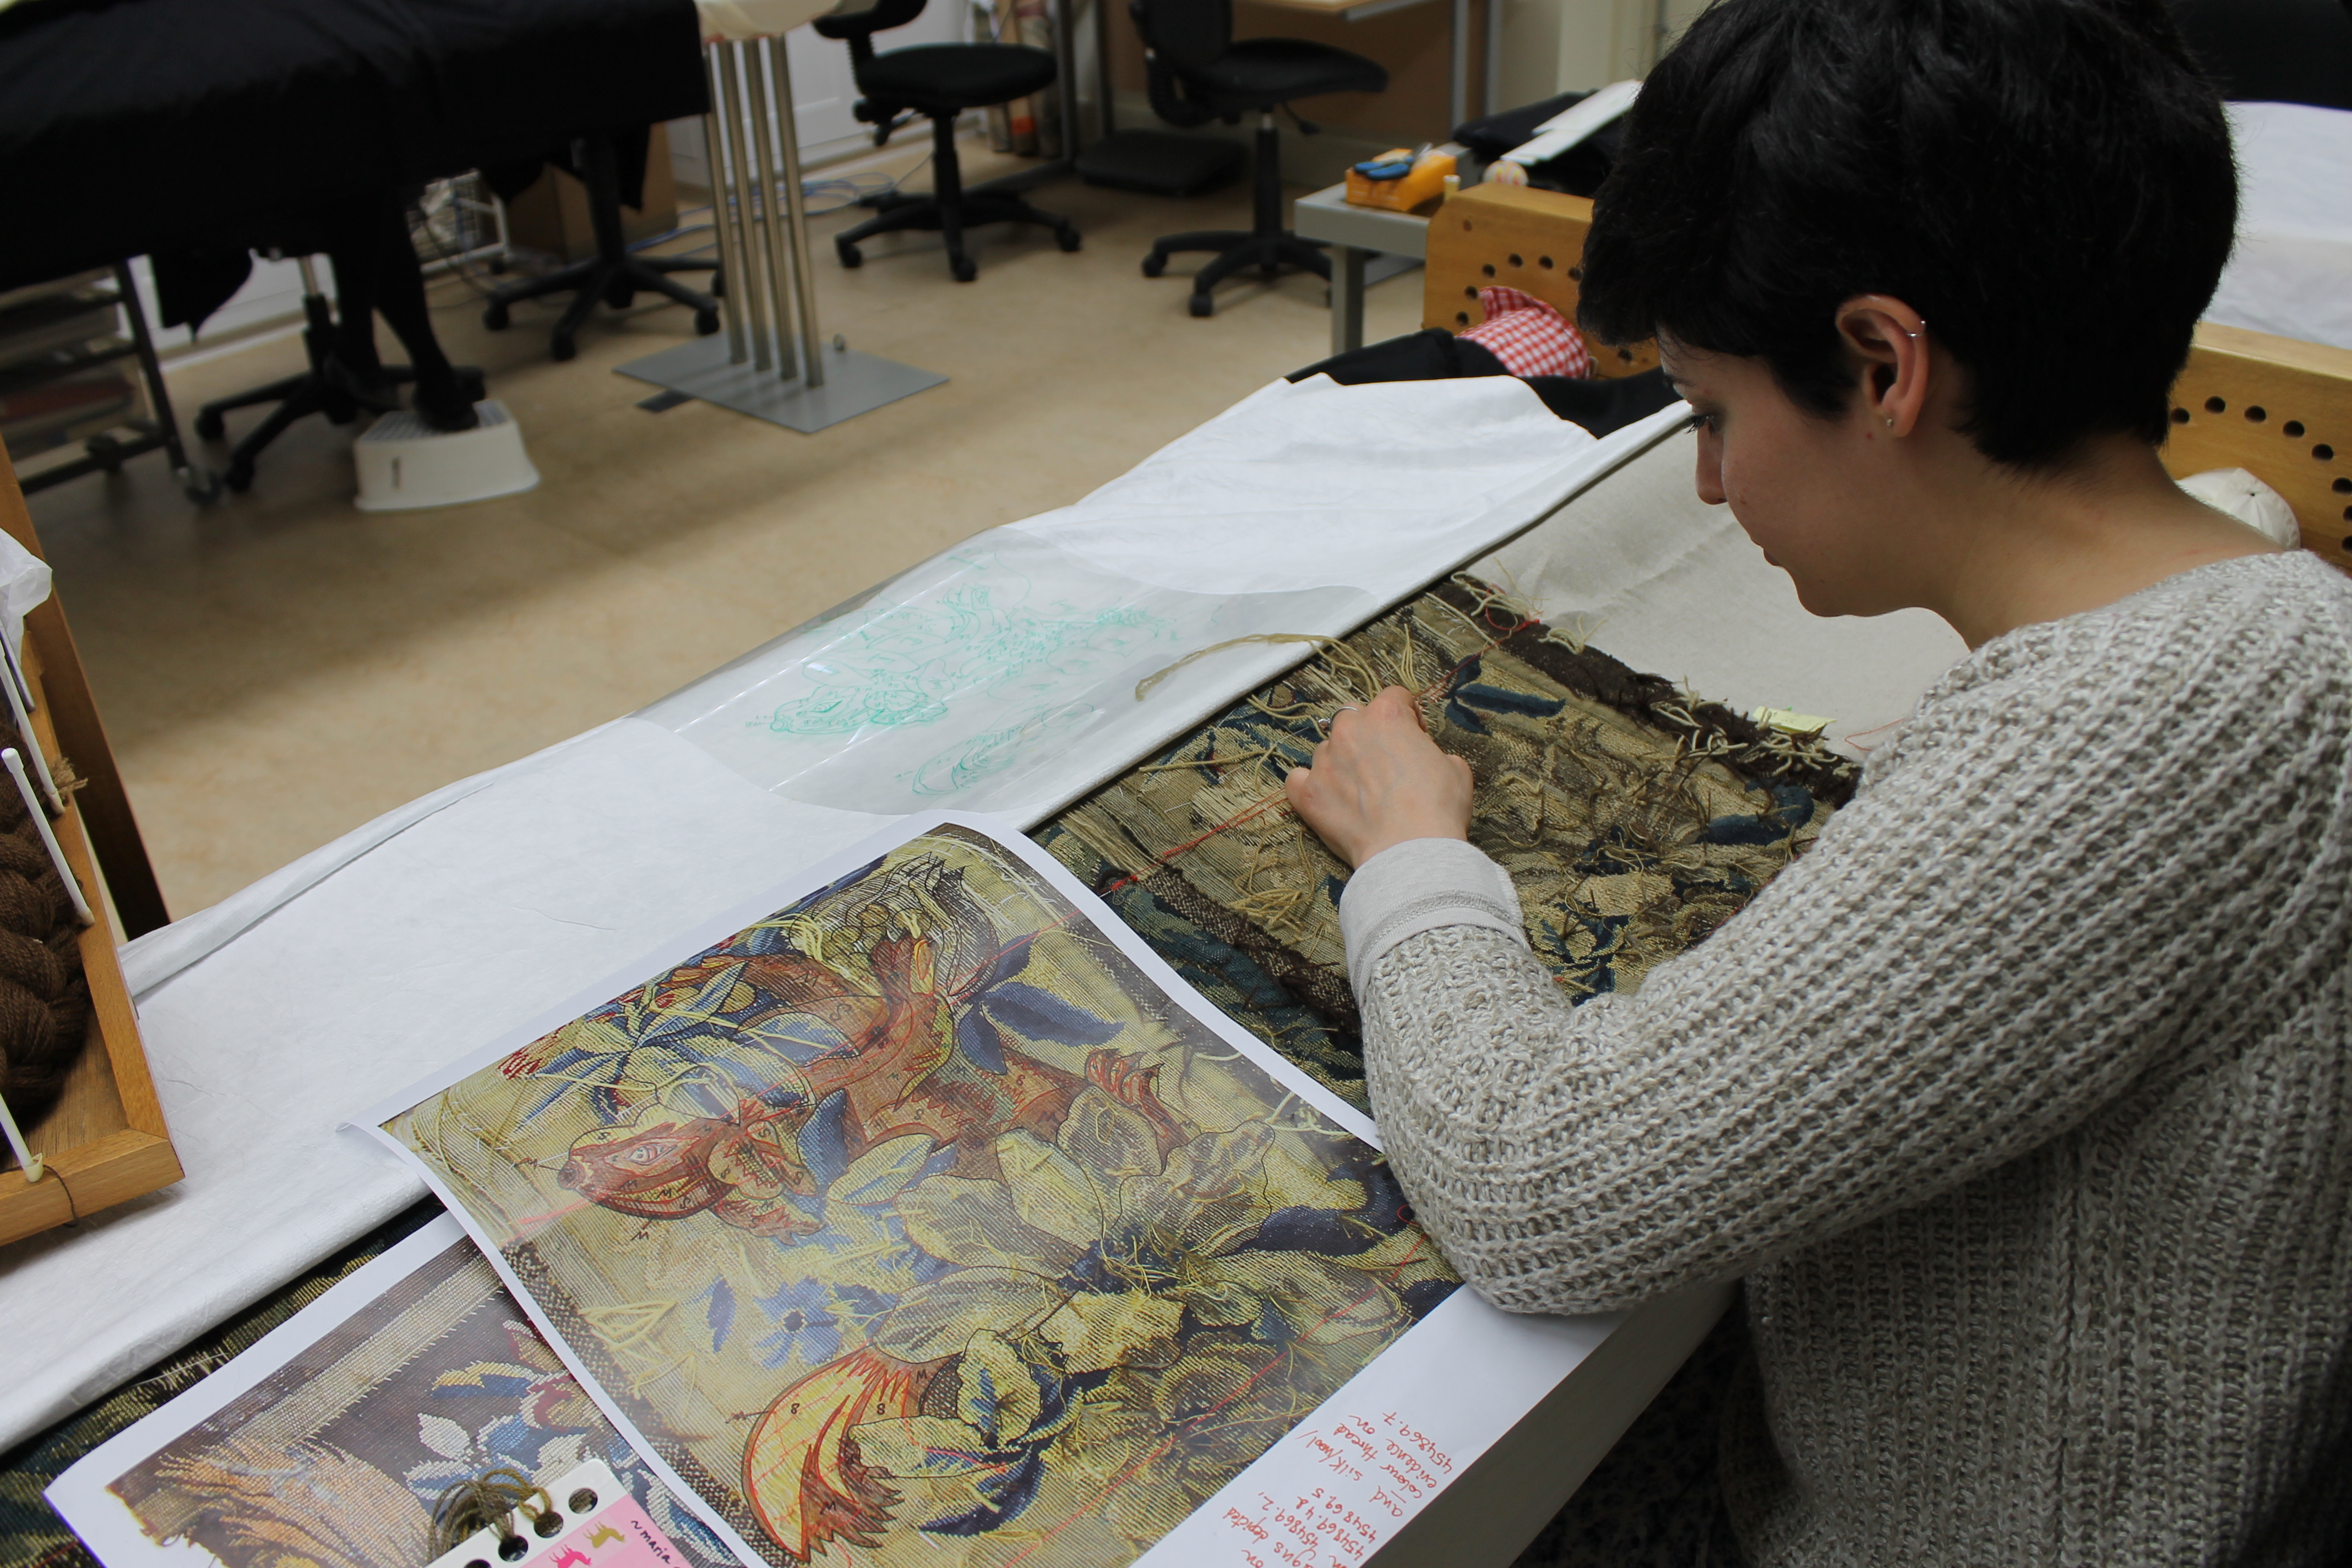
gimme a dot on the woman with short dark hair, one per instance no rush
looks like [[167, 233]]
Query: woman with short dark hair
[[2023, 1102]]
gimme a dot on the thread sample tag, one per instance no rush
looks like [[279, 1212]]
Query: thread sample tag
[[596, 1524]]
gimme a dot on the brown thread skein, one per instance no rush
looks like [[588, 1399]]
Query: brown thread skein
[[44, 999]]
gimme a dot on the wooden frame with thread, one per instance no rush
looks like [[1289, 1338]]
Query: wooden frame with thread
[[2277, 407], [105, 1141]]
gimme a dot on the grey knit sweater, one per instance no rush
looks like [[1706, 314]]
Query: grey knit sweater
[[2023, 1102]]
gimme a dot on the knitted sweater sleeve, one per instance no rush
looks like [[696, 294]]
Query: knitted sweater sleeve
[[2000, 935]]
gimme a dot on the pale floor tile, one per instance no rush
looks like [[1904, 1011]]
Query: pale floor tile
[[278, 670]]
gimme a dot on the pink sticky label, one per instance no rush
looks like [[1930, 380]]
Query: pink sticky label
[[617, 1535]]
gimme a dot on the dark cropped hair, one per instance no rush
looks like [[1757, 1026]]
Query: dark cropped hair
[[2048, 182]]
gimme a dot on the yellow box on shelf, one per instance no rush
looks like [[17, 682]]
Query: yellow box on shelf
[[1420, 183]]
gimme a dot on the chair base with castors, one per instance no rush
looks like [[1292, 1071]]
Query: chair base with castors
[[332, 387], [615, 274], [895, 213], [938, 82], [1237, 249]]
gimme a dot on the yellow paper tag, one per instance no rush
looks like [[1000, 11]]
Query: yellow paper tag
[[1788, 719]]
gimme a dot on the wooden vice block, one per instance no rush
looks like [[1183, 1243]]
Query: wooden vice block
[[1527, 239], [2282, 410]]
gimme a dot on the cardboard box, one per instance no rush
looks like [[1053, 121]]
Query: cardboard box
[[551, 216]]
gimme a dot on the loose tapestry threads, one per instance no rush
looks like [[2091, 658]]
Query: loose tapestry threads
[[44, 997], [1633, 818]]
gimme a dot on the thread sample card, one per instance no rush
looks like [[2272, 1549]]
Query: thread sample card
[[926, 1216], [581, 1519]]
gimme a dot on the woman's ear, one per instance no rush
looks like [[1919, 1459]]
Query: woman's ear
[[1888, 340]]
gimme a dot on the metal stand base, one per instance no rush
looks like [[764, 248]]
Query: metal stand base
[[855, 384]]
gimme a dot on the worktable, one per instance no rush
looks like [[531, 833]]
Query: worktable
[[1356, 236], [343, 977]]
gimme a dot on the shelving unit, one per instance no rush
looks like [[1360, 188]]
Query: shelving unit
[[65, 347]]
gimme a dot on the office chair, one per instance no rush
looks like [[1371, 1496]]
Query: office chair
[[376, 269], [614, 273], [937, 82], [1196, 73], [2272, 51]]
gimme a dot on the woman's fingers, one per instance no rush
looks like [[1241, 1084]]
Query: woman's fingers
[[1378, 779]]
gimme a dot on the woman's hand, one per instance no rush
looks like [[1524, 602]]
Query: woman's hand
[[1380, 779]]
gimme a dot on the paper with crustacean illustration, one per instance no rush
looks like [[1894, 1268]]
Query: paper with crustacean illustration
[[929, 1218]]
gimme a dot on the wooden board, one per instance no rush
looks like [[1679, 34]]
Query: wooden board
[[2280, 409], [1528, 239], [2277, 407], [105, 1141]]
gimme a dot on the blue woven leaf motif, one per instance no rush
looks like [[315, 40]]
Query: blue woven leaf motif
[[980, 1042], [1042, 1015]]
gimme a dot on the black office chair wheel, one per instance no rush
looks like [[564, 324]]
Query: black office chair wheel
[[560, 346], [1202, 305], [850, 255], [210, 425], [705, 322], [495, 316], [1154, 265], [1067, 238], [239, 476], [200, 485], [964, 268]]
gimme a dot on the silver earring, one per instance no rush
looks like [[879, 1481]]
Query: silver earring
[[1890, 423]]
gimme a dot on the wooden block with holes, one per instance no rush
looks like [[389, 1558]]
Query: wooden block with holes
[[1528, 239], [105, 1141], [2280, 409]]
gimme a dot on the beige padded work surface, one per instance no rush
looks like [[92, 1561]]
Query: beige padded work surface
[[1643, 570]]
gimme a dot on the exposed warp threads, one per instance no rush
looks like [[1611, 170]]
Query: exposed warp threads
[[43, 998]]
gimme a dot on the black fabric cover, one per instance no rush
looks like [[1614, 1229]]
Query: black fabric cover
[[1599, 405], [129, 126], [1259, 73], [954, 77], [1603, 403], [1579, 171], [1431, 354]]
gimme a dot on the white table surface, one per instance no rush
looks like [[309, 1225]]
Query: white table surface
[[297, 1003]]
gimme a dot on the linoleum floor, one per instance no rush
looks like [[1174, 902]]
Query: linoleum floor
[[277, 669]]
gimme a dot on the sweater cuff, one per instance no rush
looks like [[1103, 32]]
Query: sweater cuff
[[1418, 886]]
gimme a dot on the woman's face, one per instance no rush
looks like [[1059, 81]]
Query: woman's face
[[1803, 486]]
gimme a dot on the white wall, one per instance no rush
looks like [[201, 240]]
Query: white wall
[[1565, 45]]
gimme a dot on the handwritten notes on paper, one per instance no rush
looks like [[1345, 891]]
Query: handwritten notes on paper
[[1382, 1468]]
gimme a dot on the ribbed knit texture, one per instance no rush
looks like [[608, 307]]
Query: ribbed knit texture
[[2023, 1102]]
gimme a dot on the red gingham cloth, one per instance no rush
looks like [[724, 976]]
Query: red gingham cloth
[[1529, 336]]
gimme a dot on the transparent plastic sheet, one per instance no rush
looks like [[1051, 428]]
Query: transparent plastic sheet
[[972, 681]]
